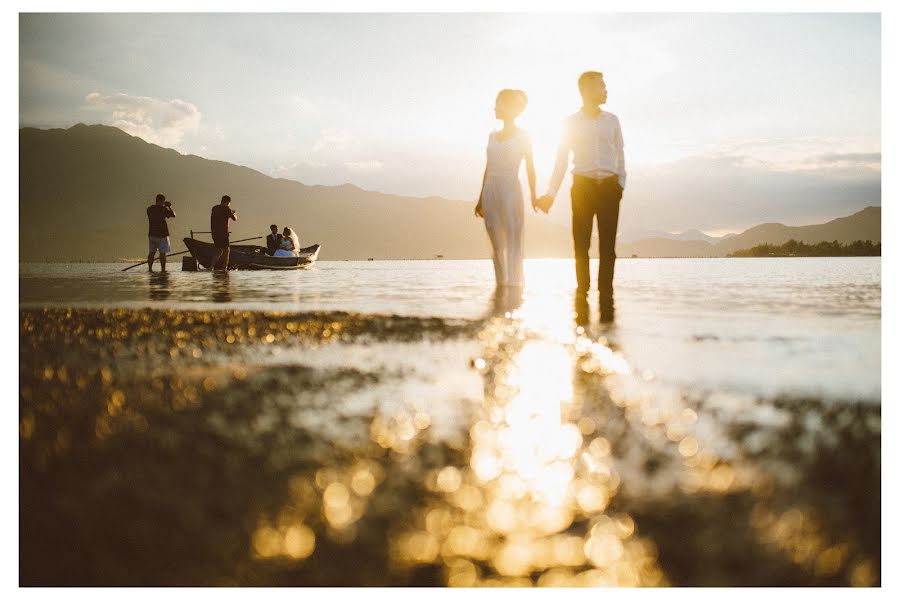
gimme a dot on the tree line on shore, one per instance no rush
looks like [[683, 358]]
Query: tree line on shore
[[795, 248]]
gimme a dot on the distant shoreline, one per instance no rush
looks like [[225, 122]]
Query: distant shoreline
[[793, 248]]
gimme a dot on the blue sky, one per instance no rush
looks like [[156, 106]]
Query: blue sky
[[729, 119]]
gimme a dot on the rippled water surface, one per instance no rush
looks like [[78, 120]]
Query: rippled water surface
[[805, 326], [724, 431]]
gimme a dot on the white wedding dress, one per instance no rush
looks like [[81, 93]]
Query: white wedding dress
[[502, 205], [289, 247]]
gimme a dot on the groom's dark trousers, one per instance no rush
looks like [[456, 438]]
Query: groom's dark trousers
[[596, 198]]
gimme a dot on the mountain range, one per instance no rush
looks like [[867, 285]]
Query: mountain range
[[862, 225], [83, 192], [634, 235]]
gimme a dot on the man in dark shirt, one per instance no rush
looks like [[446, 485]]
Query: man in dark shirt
[[158, 232], [220, 227], [273, 240]]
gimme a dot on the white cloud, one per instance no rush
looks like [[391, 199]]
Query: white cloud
[[334, 140], [154, 120]]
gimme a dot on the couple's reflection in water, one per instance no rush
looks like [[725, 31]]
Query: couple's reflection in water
[[533, 503], [506, 299], [582, 311]]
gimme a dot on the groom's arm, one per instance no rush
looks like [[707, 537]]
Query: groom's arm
[[620, 154]]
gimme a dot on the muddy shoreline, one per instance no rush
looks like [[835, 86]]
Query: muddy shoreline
[[163, 447]]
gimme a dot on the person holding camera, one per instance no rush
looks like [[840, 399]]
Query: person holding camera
[[158, 233], [219, 225]]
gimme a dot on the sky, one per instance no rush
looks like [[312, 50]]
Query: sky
[[729, 120]]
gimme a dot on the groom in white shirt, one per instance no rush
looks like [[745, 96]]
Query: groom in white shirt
[[594, 136]]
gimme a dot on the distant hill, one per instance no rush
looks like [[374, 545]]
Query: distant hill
[[863, 225], [631, 236], [84, 190], [665, 247]]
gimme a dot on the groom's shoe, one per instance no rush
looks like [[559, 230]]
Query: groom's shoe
[[582, 312], [607, 311]]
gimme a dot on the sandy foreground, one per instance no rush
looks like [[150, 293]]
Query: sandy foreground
[[163, 447]]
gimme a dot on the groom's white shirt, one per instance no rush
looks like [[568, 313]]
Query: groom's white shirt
[[597, 145]]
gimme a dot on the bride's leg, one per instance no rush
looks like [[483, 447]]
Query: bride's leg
[[498, 253], [515, 250], [515, 253], [496, 221]]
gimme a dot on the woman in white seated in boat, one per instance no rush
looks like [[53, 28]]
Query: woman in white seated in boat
[[290, 244]]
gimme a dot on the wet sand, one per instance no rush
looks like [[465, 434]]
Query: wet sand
[[162, 447]]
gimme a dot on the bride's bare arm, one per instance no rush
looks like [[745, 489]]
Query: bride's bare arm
[[529, 168], [478, 209]]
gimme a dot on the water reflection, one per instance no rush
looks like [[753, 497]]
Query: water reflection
[[221, 286], [531, 504], [810, 326], [506, 299], [160, 285], [562, 463], [568, 437]]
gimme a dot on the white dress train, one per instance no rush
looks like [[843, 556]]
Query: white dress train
[[288, 248], [502, 205]]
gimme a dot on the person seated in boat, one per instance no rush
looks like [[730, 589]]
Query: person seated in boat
[[273, 240], [290, 244]]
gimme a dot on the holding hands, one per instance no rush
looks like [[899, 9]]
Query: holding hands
[[543, 203]]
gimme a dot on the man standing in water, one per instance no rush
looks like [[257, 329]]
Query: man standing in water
[[219, 225], [158, 233], [598, 179]]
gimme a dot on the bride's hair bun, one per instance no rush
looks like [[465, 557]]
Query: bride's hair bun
[[516, 100]]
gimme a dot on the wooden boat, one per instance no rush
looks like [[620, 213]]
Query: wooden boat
[[249, 257]]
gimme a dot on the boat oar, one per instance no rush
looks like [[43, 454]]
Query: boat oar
[[259, 237]]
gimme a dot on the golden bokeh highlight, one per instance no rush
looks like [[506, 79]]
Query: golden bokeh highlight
[[537, 472]]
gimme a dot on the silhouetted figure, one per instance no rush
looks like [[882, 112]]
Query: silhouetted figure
[[273, 240], [594, 137], [500, 200], [220, 226], [158, 233]]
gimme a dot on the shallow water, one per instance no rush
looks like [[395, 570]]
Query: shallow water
[[725, 431], [766, 327], [240, 447]]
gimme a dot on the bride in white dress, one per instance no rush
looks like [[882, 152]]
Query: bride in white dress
[[500, 202], [290, 244]]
